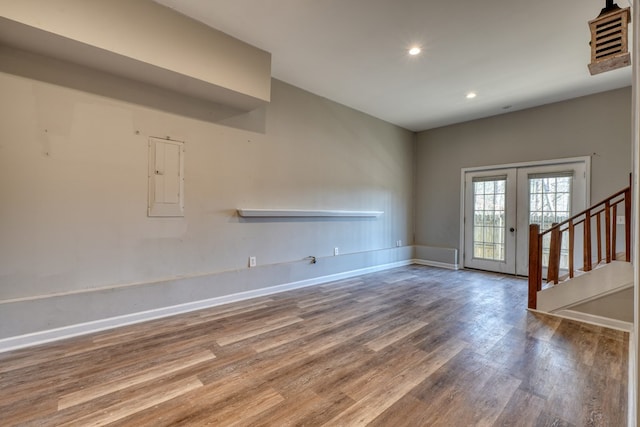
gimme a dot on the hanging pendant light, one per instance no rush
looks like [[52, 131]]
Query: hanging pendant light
[[609, 39]]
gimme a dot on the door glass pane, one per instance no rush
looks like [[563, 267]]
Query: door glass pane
[[489, 218], [549, 203]]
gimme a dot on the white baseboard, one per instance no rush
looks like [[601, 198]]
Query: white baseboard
[[593, 319], [436, 264], [42, 337]]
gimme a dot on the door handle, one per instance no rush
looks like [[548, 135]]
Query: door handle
[[512, 229]]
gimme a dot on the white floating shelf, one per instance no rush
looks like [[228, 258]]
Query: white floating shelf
[[299, 213]]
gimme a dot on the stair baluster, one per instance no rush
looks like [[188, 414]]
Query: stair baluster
[[553, 270], [586, 242], [627, 223], [607, 231]]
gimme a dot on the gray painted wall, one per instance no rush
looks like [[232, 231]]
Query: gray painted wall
[[73, 182], [597, 125], [144, 40], [76, 244]]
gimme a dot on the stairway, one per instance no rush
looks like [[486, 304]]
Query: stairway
[[603, 296], [600, 290]]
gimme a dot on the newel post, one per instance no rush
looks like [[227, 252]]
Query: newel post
[[535, 265]]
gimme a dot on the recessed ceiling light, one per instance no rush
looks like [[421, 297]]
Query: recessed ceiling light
[[414, 51], [471, 95]]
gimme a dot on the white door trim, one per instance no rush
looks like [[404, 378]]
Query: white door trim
[[464, 171]]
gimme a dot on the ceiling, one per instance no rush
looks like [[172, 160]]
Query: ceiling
[[514, 54]]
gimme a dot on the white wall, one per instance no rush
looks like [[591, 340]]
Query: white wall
[[597, 125], [634, 346], [73, 183]]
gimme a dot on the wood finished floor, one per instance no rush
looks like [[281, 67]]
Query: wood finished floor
[[414, 346]]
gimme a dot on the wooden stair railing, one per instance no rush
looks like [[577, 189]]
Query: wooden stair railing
[[607, 208]]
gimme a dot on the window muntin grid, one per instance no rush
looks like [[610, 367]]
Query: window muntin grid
[[489, 221], [549, 203]]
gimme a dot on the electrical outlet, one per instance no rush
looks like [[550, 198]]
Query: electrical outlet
[[336, 251], [252, 261], [620, 220], [398, 243]]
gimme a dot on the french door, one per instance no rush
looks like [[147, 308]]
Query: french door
[[501, 202]]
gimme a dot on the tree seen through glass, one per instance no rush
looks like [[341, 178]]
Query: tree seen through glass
[[549, 203], [489, 219]]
